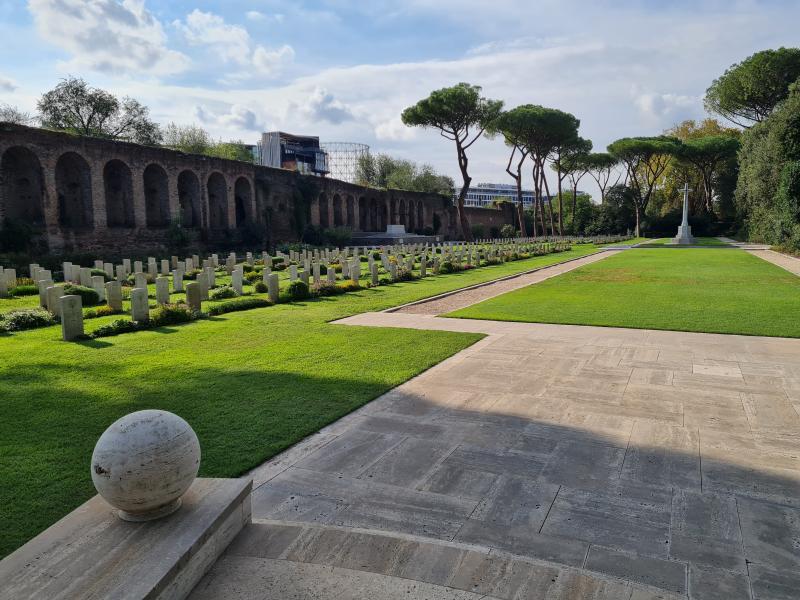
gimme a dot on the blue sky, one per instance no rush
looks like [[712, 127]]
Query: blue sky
[[344, 70]]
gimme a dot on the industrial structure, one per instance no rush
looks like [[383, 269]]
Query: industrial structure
[[301, 153], [343, 158]]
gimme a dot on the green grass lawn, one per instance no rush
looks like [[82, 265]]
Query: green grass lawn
[[250, 383], [720, 291], [700, 241]]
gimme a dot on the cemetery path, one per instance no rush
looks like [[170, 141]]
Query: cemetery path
[[790, 263], [458, 299], [545, 461]]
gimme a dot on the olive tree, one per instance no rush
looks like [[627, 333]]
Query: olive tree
[[461, 114]]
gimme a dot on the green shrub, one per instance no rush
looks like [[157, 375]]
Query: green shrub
[[114, 328], [101, 273], [449, 267], [325, 288], [89, 297], [297, 290], [26, 318], [237, 305], [349, 286], [192, 274], [171, 314], [222, 293], [24, 290], [101, 311], [253, 276], [508, 231], [261, 287], [338, 236], [279, 266]]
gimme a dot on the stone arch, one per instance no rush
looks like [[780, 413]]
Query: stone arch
[[420, 216], [363, 214], [243, 197], [383, 211], [74, 192], [338, 220], [190, 200], [217, 190], [322, 203], [393, 211], [350, 212], [410, 227], [401, 210], [22, 182], [373, 214], [118, 184], [156, 196]]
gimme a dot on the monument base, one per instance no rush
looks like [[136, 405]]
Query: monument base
[[684, 237], [91, 553]]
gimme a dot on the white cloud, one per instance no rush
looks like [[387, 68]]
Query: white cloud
[[7, 85], [234, 44], [269, 61], [394, 130], [237, 118], [666, 108], [110, 36], [260, 17], [323, 106]]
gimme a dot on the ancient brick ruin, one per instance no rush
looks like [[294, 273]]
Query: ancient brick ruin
[[83, 194]]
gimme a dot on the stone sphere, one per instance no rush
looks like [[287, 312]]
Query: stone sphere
[[144, 462]]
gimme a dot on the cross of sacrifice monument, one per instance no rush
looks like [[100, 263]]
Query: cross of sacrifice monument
[[684, 236]]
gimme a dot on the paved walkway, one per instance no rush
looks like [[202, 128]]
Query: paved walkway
[[784, 261], [460, 299], [545, 461]]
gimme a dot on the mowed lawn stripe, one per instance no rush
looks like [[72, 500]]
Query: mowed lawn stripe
[[704, 290]]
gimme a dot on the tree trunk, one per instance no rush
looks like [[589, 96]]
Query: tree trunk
[[463, 222], [535, 210], [541, 217], [520, 207], [638, 230], [560, 207], [549, 202], [574, 206]]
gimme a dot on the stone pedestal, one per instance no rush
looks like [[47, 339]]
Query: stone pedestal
[[684, 236], [91, 553]]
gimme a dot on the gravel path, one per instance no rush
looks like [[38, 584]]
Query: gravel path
[[470, 296]]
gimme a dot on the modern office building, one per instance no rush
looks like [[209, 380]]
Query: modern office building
[[300, 153], [484, 194]]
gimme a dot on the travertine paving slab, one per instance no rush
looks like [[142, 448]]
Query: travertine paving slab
[[655, 458]]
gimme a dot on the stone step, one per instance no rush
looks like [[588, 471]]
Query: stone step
[[92, 554], [278, 559]]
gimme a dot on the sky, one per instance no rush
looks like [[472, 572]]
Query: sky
[[344, 70]]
